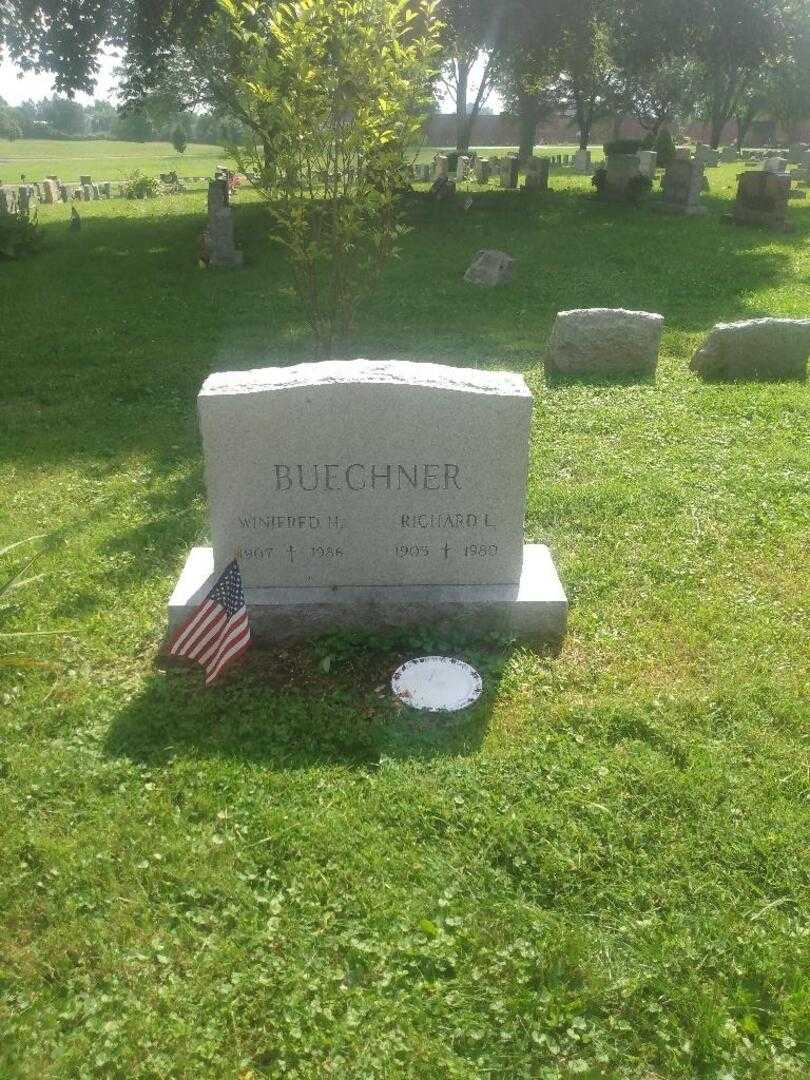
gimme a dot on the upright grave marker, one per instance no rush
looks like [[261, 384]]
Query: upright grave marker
[[218, 240], [374, 494], [682, 185], [762, 199]]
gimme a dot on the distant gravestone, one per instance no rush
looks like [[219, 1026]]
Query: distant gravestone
[[440, 166], [9, 200], [682, 185], [774, 165], [367, 494], [219, 242], [621, 170], [728, 156], [25, 198], [490, 268], [536, 178], [762, 199], [582, 162], [683, 153], [50, 192], [603, 342], [421, 173], [647, 160], [85, 180], [443, 188], [462, 168], [710, 158], [509, 172], [755, 349], [483, 170]]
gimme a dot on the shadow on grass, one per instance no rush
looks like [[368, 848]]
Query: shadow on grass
[[557, 380], [299, 705]]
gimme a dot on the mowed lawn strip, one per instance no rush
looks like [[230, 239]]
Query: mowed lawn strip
[[599, 871]]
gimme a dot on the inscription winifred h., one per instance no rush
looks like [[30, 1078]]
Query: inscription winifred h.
[[367, 473]]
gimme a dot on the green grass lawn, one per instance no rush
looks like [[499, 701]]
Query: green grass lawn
[[101, 159], [599, 871]]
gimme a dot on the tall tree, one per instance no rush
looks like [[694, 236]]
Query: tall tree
[[786, 78], [586, 57], [472, 30], [10, 126], [730, 41], [526, 66]]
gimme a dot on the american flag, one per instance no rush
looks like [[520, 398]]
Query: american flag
[[218, 631]]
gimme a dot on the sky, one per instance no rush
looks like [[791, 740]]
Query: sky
[[16, 90]]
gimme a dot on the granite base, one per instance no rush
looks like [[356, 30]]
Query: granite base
[[535, 609]]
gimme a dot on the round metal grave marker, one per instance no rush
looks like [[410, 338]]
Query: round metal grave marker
[[436, 683]]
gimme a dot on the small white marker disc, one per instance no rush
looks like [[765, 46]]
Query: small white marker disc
[[436, 683]]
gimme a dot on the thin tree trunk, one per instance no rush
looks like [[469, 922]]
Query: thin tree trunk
[[462, 120], [527, 126]]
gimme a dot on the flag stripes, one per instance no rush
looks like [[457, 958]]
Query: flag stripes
[[218, 632]]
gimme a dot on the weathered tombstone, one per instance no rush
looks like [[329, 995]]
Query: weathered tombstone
[[366, 494], [682, 185], [509, 172], [24, 199], [621, 170], [490, 268], [443, 188], [421, 172], [50, 192], [218, 237], [9, 200], [483, 170], [762, 199], [440, 166], [774, 165], [462, 168], [536, 178], [647, 160], [795, 152], [85, 180], [603, 342], [704, 153], [582, 162], [683, 153], [728, 155], [87, 192], [755, 349]]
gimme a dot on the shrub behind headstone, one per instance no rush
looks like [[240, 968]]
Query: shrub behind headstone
[[664, 147]]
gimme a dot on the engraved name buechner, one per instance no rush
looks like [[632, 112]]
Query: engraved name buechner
[[367, 477]]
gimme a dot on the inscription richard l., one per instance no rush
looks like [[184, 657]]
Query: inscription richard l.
[[367, 477]]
